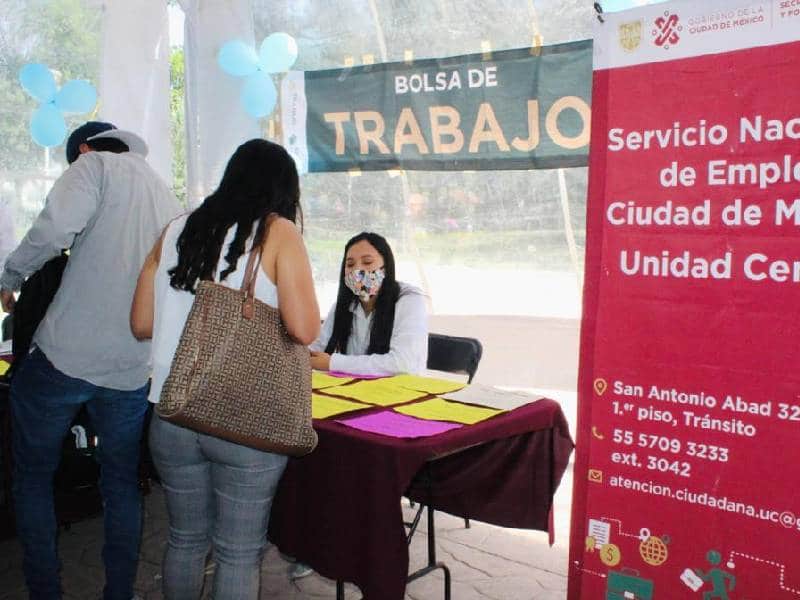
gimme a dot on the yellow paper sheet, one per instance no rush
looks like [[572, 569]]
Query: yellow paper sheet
[[376, 391], [320, 380], [426, 384], [3, 367], [438, 409], [323, 407]]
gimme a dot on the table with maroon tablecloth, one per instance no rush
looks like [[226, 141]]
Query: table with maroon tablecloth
[[338, 509]]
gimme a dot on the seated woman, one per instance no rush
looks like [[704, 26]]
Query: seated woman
[[378, 326]]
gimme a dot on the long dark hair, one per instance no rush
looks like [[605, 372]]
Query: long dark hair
[[383, 319], [260, 179]]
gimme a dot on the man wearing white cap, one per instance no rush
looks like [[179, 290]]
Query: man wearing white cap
[[108, 208]]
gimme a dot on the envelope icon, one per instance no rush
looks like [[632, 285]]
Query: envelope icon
[[595, 476]]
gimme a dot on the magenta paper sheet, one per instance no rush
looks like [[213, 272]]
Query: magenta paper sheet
[[355, 375], [393, 424]]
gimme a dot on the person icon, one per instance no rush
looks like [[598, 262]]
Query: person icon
[[722, 581]]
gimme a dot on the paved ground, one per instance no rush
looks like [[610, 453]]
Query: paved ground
[[485, 561]]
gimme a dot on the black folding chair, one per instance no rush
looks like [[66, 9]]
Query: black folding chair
[[453, 354]]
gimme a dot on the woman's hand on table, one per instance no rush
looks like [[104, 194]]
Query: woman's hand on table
[[321, 361]]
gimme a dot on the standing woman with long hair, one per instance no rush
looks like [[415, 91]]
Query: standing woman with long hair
[[378, 326], [219, 494]]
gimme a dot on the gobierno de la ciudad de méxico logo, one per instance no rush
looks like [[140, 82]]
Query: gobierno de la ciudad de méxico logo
[[666, 30]]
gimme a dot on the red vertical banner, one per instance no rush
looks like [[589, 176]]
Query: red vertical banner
[[688, 459]]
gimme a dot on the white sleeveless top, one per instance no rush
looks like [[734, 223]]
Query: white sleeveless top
[[172, 306]]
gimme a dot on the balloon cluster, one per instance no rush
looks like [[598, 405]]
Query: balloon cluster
[[277, 54], [77, 96]]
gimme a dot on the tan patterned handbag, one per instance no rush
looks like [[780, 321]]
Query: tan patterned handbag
[[237, 374]]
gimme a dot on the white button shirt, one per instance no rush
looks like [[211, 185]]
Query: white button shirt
[[408, 348]]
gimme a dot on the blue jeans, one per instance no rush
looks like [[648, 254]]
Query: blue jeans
[[44, 401], [218, 494]]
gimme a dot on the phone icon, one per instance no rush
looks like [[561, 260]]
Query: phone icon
[[597, 434]]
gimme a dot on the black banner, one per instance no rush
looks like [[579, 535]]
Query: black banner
[[521, 109]]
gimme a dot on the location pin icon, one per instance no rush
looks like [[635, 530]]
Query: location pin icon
[[600, 386]]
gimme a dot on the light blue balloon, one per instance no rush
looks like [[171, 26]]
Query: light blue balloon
[[38, 81], [278, 53], [47, 126], [237, 58], [76, 96], [259, 95]]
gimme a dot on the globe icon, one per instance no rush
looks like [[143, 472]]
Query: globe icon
[[653, 551]]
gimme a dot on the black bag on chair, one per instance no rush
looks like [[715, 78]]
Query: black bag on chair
[[34, 299]]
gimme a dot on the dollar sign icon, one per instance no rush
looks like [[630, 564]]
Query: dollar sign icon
[[610, 555]]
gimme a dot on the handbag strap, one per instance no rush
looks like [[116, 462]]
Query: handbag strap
[[251, 272]]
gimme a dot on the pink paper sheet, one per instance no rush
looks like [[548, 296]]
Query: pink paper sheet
[[355, 375], [394, 424]]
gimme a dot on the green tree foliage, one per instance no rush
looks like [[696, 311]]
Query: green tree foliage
[[64, 35]]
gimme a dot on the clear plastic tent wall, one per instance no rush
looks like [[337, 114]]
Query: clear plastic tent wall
[[121, 48], [479, 242], [505, 246]]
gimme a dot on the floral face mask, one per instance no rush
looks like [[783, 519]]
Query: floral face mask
[[364, 284]]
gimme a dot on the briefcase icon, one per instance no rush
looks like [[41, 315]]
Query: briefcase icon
[[627, 585]]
